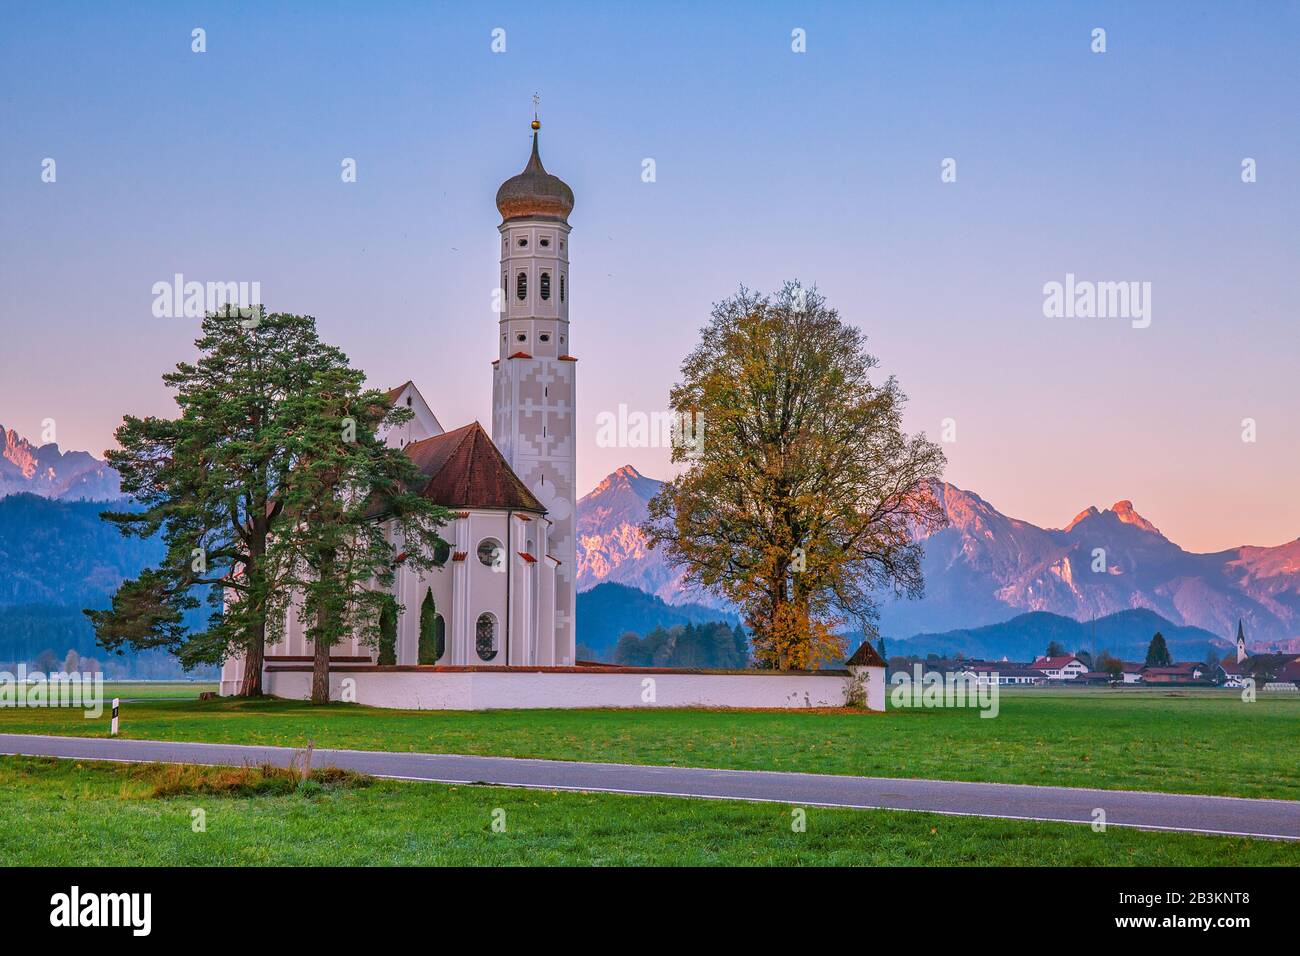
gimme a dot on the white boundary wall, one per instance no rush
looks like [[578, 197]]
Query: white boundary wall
[[486, 690]]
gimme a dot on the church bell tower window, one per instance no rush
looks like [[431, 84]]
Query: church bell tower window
[[546, 286], [561, 287], [521, 286]]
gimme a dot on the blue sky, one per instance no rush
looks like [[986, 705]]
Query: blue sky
[[822, 166]]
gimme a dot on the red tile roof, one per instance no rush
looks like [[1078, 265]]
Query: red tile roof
[[466, 470], [865, 656], [394, 393], [1290, 672], [527, 557], [519, 355], [1053, 663]]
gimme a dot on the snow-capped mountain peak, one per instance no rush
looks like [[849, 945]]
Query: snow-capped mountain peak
[[986, 567]]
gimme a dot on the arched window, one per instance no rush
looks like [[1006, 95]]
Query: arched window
[[521, 286], [441, 552], [561, 286], [485, 637], [431, 647], [546, 286]]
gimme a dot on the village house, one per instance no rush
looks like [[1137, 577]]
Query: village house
[[1132, 673], [1003, 673], [1064, 667], [1183, 673]]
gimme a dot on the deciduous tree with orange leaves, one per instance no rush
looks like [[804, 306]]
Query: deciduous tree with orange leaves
[[802, 501]]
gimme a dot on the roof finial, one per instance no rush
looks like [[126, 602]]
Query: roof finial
[[536, 101]]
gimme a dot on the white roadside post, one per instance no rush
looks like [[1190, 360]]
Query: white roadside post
[[116, 701]]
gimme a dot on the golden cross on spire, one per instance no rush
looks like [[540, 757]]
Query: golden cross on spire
[[536, 101]]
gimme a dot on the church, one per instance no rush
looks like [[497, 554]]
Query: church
[[504, 594], [493, 625]]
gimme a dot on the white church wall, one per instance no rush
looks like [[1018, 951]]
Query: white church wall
[[513, 689], [411, 587], [423, 424], [487, 584]]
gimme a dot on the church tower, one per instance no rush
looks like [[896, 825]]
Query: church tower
[[533, 394], [1241, 642]]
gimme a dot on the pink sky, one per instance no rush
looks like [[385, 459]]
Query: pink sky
[[770, 165]]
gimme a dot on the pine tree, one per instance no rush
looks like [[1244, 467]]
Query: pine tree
[[350, 504], [1158, 652], [208, 481], [388, 633], [631, 651], [742, 646], [430, 650]]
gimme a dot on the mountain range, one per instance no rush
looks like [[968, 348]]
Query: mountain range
[[609, 610], [986, 567], [1125, 634], [46, 471]]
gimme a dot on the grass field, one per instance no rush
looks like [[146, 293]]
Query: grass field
[[157, 689], [1173, 741], [82, 813]]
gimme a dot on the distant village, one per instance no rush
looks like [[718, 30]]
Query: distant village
[[1270, 672]]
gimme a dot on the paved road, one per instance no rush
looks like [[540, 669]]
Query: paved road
[[1277, 819]]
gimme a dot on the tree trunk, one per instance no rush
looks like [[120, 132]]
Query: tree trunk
[[255, 653], [320, 665], [254, 658], [320, 673]]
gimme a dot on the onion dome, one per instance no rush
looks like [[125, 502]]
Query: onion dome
[[535, 192]]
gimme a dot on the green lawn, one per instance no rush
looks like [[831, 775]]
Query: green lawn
[[83, 813], [157, 689], [1180, 742]]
